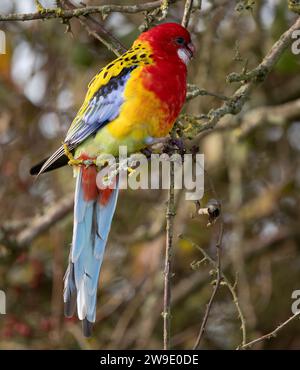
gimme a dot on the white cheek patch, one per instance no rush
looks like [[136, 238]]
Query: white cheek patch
[[183, 55]]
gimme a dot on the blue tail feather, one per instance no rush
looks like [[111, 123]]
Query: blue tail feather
[[92, 223]]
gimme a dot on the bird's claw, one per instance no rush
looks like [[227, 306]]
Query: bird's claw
[[77, 162], [147, 152], [130, 171], [174, 144]]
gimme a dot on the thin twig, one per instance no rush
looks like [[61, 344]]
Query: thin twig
[[187, 13], [110, 41], [194, 91], [271, 334], [216, 287], [104, 10], [227, 283], [97, 36], [170, 214], [278, 115], [118, 47]]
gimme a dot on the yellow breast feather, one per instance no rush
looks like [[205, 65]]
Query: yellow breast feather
[[141, 113]]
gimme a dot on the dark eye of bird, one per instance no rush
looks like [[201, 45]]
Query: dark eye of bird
[[180, 40]]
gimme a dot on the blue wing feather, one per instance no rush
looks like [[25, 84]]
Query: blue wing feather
[[103, 108]]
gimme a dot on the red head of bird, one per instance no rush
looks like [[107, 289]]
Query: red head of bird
[[171, 40]]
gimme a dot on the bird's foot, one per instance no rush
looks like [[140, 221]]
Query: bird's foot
[[77, 162], [174, 145], [130, 171], [72, 160], [147, 152], [128, 165]]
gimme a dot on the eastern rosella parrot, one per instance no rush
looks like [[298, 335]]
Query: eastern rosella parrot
[[132, 100]]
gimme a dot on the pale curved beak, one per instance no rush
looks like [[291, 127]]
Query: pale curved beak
[[191, 48]]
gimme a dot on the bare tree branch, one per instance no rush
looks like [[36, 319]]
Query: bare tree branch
[[110, 41], [228, 284], [194, 91], [170, 214], [272, 334], [272, 115], [187, 13], [40, 224], [278, 114], [104, 10], [216, 287], [236, 102]]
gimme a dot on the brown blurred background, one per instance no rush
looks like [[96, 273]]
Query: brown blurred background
[[255, 173]]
